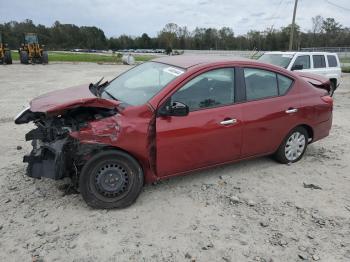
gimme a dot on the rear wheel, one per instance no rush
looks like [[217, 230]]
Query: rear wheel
[[24, 57], [111, 179], [293, 146], [45, 58], [8, 57]]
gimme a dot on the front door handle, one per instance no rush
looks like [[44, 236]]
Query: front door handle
[[291, 110], [228, 122]]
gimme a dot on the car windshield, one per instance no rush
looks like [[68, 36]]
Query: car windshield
[[281, 60], [141, 83], [31, 39]]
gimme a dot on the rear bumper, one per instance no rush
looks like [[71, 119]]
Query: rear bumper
[[322, 129]]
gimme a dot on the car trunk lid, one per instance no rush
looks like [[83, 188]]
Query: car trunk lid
[[316, 80]]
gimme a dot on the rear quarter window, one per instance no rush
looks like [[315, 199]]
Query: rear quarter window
[[332, 61], [284, 83], [319, 61]]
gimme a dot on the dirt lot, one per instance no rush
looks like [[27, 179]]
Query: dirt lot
[[256, 210]]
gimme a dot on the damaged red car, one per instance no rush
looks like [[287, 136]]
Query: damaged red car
[[168, 117]]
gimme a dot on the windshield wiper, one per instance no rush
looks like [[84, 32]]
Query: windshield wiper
[[98, 82], [109, 94], [98, 88], [94, 87]]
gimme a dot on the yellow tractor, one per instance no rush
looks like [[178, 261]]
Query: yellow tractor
[[31, 51], [5, 53]]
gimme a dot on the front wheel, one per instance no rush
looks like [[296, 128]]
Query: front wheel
[[45, 58], [111, 179], [24, 57], [8, 57], [293, 146]]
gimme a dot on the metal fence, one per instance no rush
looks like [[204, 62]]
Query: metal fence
[[343, 52], [237, 53], [327, 49]]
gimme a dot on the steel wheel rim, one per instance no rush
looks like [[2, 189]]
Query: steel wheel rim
[[295, 146], [111, 180]]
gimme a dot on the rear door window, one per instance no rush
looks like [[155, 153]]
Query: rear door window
[[319, 61], [332, 61], [260, 83], [303, 60]]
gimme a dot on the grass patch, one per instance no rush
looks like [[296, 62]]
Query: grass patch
[[14, 55], [345, 69], [77, 57], [88, 57], [344, 59], [144, 58]]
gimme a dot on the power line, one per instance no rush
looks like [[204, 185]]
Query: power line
[[336, 5]]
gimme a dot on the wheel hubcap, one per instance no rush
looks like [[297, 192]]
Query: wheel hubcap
[[111, 180], [295, 146]]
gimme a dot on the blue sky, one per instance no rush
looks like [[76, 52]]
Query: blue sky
[[134, 17]]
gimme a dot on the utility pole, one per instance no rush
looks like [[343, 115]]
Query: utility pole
[[293, 26]]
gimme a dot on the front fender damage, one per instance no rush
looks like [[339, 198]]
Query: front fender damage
[[104, 131], [57, 149]]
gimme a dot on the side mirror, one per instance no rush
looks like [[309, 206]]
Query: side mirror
[[179, 109], [174, 109], [297, 67]]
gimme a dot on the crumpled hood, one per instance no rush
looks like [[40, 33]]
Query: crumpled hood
[[72, 97]]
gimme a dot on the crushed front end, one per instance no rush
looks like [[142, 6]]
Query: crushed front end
[[56, 153]]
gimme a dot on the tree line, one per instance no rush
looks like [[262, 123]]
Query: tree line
[[325, 32]]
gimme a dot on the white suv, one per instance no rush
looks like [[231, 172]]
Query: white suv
[[321, 63]]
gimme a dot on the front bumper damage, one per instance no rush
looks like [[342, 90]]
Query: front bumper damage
[[56, 153], [47, 159], [60, 158]]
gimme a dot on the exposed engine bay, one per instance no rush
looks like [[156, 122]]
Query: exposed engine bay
[[55, 153]]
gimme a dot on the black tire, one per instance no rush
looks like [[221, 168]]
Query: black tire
[[24, 57], [45, 58], [8, 57], [332, 88], [111, 179], [281, 154]]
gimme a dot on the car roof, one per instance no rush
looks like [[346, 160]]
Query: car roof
[[187, 61], [299, 52]]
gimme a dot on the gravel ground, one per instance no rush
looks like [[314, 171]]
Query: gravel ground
[[255, 210]]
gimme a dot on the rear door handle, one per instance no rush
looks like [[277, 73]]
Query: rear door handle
[[228, 122], [291, 110]]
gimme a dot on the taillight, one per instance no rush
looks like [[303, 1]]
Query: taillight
[[327, 99]]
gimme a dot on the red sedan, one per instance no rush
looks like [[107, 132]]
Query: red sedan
[[171, 116]]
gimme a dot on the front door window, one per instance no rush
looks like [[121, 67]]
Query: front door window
[[211, 89]]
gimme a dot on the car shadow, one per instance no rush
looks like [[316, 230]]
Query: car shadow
[[207, 175]]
